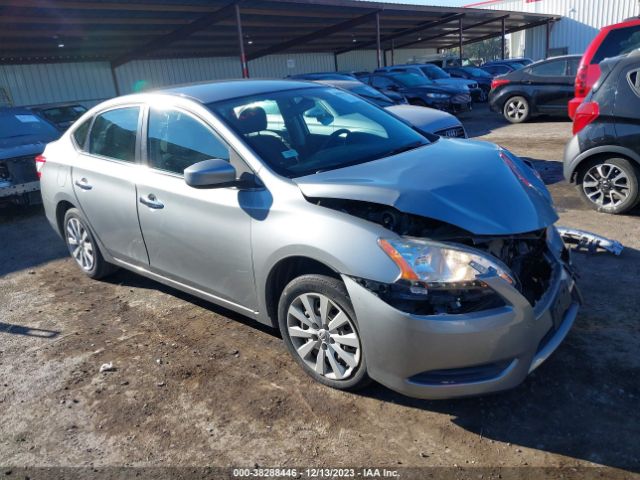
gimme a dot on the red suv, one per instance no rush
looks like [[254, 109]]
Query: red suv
[[612, 41]]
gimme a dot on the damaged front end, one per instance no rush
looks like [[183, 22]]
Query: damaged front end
[[19, 182], [441, 265]]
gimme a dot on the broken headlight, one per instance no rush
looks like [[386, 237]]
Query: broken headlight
[[432, 265]]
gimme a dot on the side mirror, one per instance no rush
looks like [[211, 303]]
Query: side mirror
[[210, 173]]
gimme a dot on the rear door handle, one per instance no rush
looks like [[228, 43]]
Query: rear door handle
[[83, 184], [151, 201]]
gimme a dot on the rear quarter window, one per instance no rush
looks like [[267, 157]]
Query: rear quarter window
[[618, 42], [80, 133]]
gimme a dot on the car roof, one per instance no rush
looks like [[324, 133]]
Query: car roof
[[15, 111], [209, 92], [47, 106]]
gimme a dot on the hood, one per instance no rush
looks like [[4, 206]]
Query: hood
[[473, 185], [21, 147], [454, 82], [425, 118]]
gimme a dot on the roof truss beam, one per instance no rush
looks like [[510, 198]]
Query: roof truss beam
[[406, 31], [318, 34], [178, 34]]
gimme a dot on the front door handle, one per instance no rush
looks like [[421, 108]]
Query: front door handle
[[83, 183], [151, 201]]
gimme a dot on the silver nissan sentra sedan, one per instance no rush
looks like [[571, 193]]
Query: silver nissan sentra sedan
[[430, 265]]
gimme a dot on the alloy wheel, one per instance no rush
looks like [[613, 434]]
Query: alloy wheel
[[80, 244], [324, 336], [517, 109], [606, 185]]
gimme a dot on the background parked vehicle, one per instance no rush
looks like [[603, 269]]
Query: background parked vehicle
[[367, 92], [500, 69], [478, 75], [62, 115], [23, 137], [603, 158], [421, 91], [438, 76], [515, 63], [322, 76], [540, 88], [612, 41], [428, 120]]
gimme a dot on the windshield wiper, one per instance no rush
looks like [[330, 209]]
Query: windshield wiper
[[406, 148]]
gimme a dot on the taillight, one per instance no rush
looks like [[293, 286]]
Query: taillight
[[581, 82], [40, 161], [498, 82], [586, 113]]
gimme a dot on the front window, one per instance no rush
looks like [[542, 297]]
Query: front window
[[63, 115], [176, 141], [434, 72], [304, 131], [24, 124]]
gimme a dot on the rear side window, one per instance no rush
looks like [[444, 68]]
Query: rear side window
[[554, 68], [177, 140], [618, 42], [114, 134], [80, 133]]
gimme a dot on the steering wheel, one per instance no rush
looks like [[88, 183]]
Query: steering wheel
[[335, 136]]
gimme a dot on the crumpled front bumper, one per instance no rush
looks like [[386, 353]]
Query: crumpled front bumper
[[445, 356]]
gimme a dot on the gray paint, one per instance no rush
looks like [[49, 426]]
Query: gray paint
[[221, 244]]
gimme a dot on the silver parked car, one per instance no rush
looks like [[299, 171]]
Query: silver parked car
[[431, 266]]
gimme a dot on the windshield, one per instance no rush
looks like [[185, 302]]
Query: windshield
[[25, 124], [304, 131], [411, 79], [477, 72], [372, 95], [434, 72], [63, 114]]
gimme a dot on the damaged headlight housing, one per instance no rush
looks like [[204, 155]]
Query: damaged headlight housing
[[428, 265]]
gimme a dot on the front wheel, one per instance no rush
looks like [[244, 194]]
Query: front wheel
[[516, 110], [318, 326], [609, 185]]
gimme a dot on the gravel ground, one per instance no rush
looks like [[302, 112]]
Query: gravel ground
[[195, 385]]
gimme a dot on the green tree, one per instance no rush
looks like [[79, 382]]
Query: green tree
[[482, 51]]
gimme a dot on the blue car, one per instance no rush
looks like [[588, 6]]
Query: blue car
[[482, 77], [23, 136], [438, 76]]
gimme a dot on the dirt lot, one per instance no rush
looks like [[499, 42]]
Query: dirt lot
[[196, 385]]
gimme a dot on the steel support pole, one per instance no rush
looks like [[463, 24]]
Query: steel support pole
[[393, 52], [378, 45], [243, 56], [460, 38], [335, 61], [504, 41], [548, 40]]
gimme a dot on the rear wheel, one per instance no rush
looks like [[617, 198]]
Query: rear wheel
[[609, 185], [516, 110], [318, 326], [83, 247]]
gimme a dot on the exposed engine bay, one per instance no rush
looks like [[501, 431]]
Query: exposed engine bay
[[526, 255]]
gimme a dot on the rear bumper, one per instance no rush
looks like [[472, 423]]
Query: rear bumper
[[19, 189], [446, 356]]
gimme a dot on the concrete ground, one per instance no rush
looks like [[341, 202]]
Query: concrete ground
[[195, 385]]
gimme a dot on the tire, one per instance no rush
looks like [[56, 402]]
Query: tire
[[321, 358], [83, 247], [516, 109], [609, 185]]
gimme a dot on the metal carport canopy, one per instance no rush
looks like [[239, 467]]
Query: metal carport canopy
[[37, 31]]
